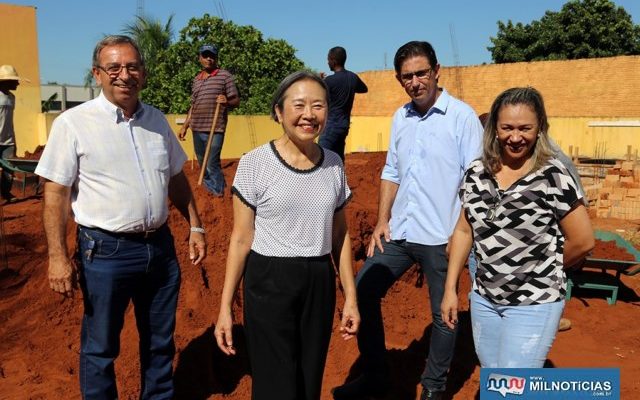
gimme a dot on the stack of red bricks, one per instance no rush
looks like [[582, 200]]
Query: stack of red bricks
[[618, 194]]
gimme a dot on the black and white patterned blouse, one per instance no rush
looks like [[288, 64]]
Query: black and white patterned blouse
[[294, 208], [518, 242]]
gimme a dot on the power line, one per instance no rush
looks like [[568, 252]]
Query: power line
[[140, 8], [222, 12]]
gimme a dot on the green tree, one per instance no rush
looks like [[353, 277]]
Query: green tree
[[581, 29], [153, 38], [258, 65]]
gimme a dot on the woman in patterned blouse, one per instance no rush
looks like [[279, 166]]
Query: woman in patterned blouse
[[528, 223]]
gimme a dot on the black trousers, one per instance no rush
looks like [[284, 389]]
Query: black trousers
[[288, 316]]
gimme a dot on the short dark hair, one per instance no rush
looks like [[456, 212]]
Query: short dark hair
[[113, 40], [287, 82], [339, 55], [413, 49]]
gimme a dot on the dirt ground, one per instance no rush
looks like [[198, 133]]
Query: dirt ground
[[40, 330]]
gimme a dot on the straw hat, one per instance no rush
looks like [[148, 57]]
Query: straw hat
[[9, 73]]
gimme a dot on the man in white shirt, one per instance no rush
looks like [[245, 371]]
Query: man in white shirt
[[114, 161]]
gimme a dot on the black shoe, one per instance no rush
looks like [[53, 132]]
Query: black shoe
[[430, 395], [360, 387]]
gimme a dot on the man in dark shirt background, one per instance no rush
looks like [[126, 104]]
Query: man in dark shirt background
[[343, 85]]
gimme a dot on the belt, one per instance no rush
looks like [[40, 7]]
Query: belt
[[143, 235]]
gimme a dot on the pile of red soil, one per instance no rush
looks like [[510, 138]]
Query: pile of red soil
[[40, 330], [609, 250], [35, 155]]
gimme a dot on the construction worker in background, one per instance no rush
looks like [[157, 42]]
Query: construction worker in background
[[211, 86], [9, 80], [343, 85]]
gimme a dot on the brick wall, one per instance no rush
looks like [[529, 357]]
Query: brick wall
[[597, 87]]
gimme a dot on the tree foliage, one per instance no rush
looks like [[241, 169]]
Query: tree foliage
[[151, 36], [581, 29], [258, 65], [153, 39]]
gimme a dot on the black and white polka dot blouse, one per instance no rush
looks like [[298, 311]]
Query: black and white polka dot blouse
[[294, 208]]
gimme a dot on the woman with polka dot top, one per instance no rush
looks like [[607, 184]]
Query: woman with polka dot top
[[289, 230]]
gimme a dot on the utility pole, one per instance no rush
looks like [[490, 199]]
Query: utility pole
[[456, 61], [140, 8]]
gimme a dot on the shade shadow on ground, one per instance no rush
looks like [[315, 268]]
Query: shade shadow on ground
[[203, 370], [408, 363]]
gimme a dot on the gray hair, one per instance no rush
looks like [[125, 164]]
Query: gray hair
[[287, 82], [491, 149], [113, 40]]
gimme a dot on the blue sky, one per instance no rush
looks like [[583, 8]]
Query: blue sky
[[371, 31]]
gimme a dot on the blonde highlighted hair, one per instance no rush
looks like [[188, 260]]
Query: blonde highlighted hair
[[491, 149]]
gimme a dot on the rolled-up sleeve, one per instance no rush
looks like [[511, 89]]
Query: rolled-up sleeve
[[390, 170], [470, 140]]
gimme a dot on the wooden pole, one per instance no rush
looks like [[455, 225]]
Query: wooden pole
[[571, 152], [205, 160]]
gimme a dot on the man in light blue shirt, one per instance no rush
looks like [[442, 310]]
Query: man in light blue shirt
[[433, 139]]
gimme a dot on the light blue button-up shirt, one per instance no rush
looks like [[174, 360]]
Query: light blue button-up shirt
[[427, 158]]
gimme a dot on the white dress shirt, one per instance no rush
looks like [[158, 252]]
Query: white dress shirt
[[118, 169]]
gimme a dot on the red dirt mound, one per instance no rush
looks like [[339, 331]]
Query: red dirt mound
[[40, 330], [608, 250]]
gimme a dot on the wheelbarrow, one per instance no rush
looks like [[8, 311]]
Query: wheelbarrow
[[23, 169], [580, 279]]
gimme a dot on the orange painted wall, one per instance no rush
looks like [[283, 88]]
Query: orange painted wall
[[598, 87], [19, 47]]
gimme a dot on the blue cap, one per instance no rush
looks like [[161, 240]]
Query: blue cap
[[210, 48]]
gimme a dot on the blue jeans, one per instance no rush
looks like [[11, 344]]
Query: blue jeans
[[213, 177], [513, 336], [334, 139], [117, 270], [372, 282]]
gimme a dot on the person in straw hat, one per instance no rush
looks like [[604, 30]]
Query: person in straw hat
[[9, 80]]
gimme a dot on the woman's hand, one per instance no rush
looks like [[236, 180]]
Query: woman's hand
[[449, 308], [350, 320], [223, 334]]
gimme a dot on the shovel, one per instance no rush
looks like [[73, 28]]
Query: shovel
[[205, 160]]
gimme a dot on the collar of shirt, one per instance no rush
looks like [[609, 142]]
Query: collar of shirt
[[204, 74], [427, 156], [441, 104], [116, 112]]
